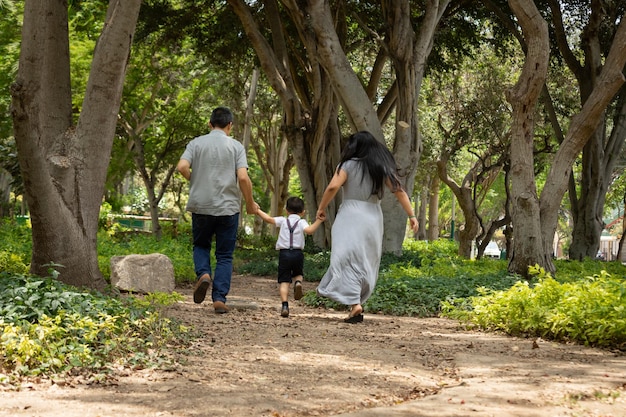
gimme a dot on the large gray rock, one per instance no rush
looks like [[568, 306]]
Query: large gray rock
[[143, 273]]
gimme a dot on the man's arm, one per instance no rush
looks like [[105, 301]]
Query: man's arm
[[184, 167], [245, 185]]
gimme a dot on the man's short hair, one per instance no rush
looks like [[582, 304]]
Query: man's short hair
[[221, 117]]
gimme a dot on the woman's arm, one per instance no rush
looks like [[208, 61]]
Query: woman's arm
[[335, 184], [405, 202]]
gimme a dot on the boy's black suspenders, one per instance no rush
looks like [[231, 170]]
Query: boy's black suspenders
[[291, 229]]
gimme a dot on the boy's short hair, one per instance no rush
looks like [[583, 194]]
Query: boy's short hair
[[295, 205]]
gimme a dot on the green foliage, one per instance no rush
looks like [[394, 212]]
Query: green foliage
[[590, 311], [15, 247], [423, 252], [567, 271], [419, 291], [427, 273], [178, 249], [48, 328]]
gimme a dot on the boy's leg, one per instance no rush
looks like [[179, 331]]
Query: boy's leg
[[284, 291], [297, 287], [284, 280], [298, 271]]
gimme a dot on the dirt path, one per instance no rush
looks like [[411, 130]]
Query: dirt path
[[251, 362]]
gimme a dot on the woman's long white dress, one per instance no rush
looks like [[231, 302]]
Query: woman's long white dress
[[356, 244]]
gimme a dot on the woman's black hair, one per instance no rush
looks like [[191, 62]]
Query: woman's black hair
[[375, 158]]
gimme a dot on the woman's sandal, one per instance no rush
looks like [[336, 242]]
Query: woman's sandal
[[354, 319]]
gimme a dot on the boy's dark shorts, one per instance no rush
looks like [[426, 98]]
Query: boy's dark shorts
[[290, 264]]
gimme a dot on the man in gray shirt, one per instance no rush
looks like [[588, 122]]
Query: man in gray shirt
[[217, 168]]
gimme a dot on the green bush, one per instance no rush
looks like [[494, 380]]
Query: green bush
[[15, 247], [48, 328], [415, 283], [591, 311]]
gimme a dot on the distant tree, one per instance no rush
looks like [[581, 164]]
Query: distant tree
[[306, 58], [165, 104], [10, 13]]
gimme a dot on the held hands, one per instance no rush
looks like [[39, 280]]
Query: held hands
[[321, 215], [253, 208]]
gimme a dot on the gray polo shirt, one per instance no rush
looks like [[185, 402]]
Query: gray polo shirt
[[214, 160]]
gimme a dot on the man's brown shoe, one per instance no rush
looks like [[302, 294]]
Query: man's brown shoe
[[220, 307], [202, 286]]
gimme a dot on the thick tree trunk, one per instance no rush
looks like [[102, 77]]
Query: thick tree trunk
[[409, 53], [528, 245], [64, 167], [582, 127], [600, 153], [600, 156]]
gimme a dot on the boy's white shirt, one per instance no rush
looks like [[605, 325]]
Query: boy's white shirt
[[283, 234]]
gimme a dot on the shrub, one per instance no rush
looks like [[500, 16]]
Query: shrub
[[591, 311], [415, 283], [48, 328]]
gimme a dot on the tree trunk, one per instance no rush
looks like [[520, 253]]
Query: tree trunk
[[433, 209], [421, 215], [463, 194], [600, 153], [5, 193], [315, 146], [582, 127], [409, 53], [600, 156], [65, 167], [528, 245]]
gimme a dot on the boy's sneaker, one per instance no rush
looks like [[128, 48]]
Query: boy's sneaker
[[297, 290], [284, 312]]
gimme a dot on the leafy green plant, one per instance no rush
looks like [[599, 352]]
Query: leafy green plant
[[48, 328], [591, 311], [415, 283]]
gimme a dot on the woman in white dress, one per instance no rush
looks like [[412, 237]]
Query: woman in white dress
[[366, 168]]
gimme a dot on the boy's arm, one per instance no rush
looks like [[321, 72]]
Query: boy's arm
[[266, 217], [313, 227]]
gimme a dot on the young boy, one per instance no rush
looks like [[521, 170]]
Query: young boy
[[290, 243]]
